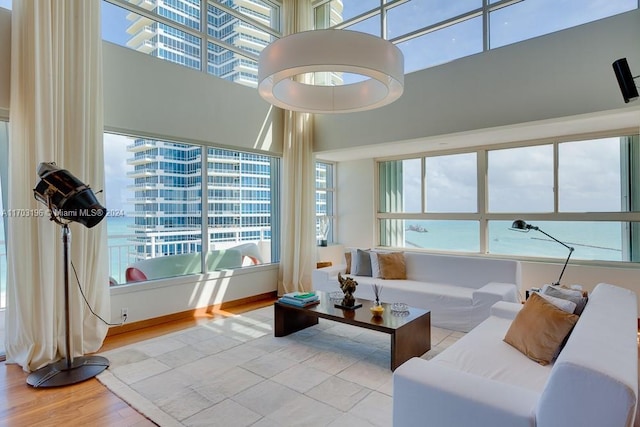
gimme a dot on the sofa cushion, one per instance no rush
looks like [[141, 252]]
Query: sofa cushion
[[562, 304], [347, 258], [539, 329], [483, 353], [392, 265], [568, 294], [361, 265]]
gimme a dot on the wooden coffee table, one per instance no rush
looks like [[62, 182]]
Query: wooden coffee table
[[410, 334]]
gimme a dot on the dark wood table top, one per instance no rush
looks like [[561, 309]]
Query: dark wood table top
[[362, 316]]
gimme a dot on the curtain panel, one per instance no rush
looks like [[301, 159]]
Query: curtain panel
[[55, 115], [298, 183]]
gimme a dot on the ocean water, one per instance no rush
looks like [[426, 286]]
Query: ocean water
[[590, 240], [117, 230]]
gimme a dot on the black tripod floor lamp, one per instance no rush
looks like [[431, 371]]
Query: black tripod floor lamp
[[68, 200], [520, 225]]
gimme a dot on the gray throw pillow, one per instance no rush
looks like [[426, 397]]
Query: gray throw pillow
[[363, 265], [570, 295]]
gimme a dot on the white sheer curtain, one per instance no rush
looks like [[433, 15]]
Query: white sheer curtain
[[55, 115], [298, 186]]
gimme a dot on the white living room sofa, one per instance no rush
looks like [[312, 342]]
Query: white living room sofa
[[458, 290], [482, 381]]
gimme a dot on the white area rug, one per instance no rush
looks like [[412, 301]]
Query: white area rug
[[234, 372]]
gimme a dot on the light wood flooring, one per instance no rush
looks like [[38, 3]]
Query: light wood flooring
[[89, 402]]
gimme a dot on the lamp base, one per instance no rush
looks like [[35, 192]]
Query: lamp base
[[59, 374]]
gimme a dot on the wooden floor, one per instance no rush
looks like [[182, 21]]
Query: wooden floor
[[89, 402]]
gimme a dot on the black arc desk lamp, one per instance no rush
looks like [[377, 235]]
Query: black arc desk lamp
[[520, 225]]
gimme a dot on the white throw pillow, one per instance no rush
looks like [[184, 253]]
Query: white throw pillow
[[562, 304]]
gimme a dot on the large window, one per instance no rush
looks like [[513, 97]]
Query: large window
[[325, 202], [225, 41], [432, 32], [225, 37], [155, 193], [584, 192]]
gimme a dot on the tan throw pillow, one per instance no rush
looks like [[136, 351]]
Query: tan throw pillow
[[539, 329], [392, 265], [347, 257]]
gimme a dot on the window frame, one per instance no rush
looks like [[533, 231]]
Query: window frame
[[483, 216], [483, 11], [203, 34], [330, 195], [207, 168]]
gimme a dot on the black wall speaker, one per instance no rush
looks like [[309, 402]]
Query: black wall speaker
[[625, 80]]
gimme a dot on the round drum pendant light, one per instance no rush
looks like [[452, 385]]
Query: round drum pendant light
[[379, 60]]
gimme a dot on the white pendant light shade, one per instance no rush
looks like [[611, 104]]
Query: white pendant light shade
[[379, 60]]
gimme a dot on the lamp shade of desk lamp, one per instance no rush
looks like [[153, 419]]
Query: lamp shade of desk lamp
[[68, 200]]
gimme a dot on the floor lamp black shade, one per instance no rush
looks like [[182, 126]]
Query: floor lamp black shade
[[520, 225], [68, 200]]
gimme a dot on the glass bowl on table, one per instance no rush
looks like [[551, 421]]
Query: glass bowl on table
[[399, 309]]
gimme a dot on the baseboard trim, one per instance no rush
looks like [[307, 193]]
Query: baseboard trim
[[198, 312]]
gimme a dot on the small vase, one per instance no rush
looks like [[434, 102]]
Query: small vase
[[377, 309]]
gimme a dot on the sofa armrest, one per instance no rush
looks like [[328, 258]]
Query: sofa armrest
[[429, 393], [494, 292], [324, 279], [506, 310]]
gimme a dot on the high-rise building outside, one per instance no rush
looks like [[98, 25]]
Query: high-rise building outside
[[174, 45], [167, 175], [168, 197]]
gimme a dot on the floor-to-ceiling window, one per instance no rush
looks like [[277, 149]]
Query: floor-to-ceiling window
[[582, 191]]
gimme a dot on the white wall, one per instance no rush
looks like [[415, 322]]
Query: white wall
[[563, 74], [162, 297], [148, 95], [355, 204]]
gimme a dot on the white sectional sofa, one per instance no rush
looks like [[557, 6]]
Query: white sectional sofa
[[458, 290], [482, 381]]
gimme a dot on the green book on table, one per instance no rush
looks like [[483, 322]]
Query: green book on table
[[303, 297], [299, 299]]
